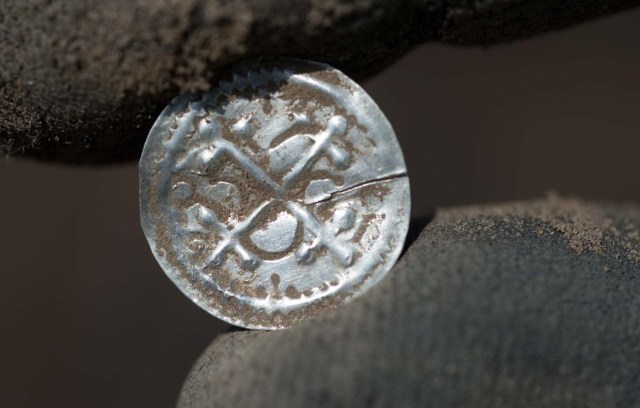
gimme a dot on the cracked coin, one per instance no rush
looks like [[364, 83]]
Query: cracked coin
[[278, 195]]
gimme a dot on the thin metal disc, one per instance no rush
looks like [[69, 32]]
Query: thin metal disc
[[278, 195]]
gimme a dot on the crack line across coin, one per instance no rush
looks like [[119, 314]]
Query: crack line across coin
[[278, 195]]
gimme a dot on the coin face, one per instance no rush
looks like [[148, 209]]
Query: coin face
[[278, 195]]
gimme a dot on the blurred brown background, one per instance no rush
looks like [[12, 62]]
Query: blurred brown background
[[88, 318]]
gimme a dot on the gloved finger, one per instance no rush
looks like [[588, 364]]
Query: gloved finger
[[82, 81], [523, 304]]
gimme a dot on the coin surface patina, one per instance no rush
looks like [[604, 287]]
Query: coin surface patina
[[278, 195]]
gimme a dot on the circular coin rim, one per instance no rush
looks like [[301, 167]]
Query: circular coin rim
[[186, 287]]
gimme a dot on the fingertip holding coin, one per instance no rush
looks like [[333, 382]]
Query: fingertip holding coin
[[278, 195]]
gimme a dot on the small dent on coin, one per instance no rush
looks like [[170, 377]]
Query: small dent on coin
[[260, 292], [275, 280], [292, 292]]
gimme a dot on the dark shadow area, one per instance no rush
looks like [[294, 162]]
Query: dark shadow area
[[233, 329], [416, 226]]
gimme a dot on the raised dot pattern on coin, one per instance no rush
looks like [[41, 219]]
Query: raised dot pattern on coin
[[281, 193]]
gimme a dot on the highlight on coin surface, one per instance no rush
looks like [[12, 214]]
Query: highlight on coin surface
[[279, 194]]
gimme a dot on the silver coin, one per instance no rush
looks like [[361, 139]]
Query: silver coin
[[278, 195]]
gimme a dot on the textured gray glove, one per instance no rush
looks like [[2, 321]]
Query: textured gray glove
[[517, 305], [82, 81]]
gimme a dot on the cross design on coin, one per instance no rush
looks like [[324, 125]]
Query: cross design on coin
[[280, 193], [200, 217]]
